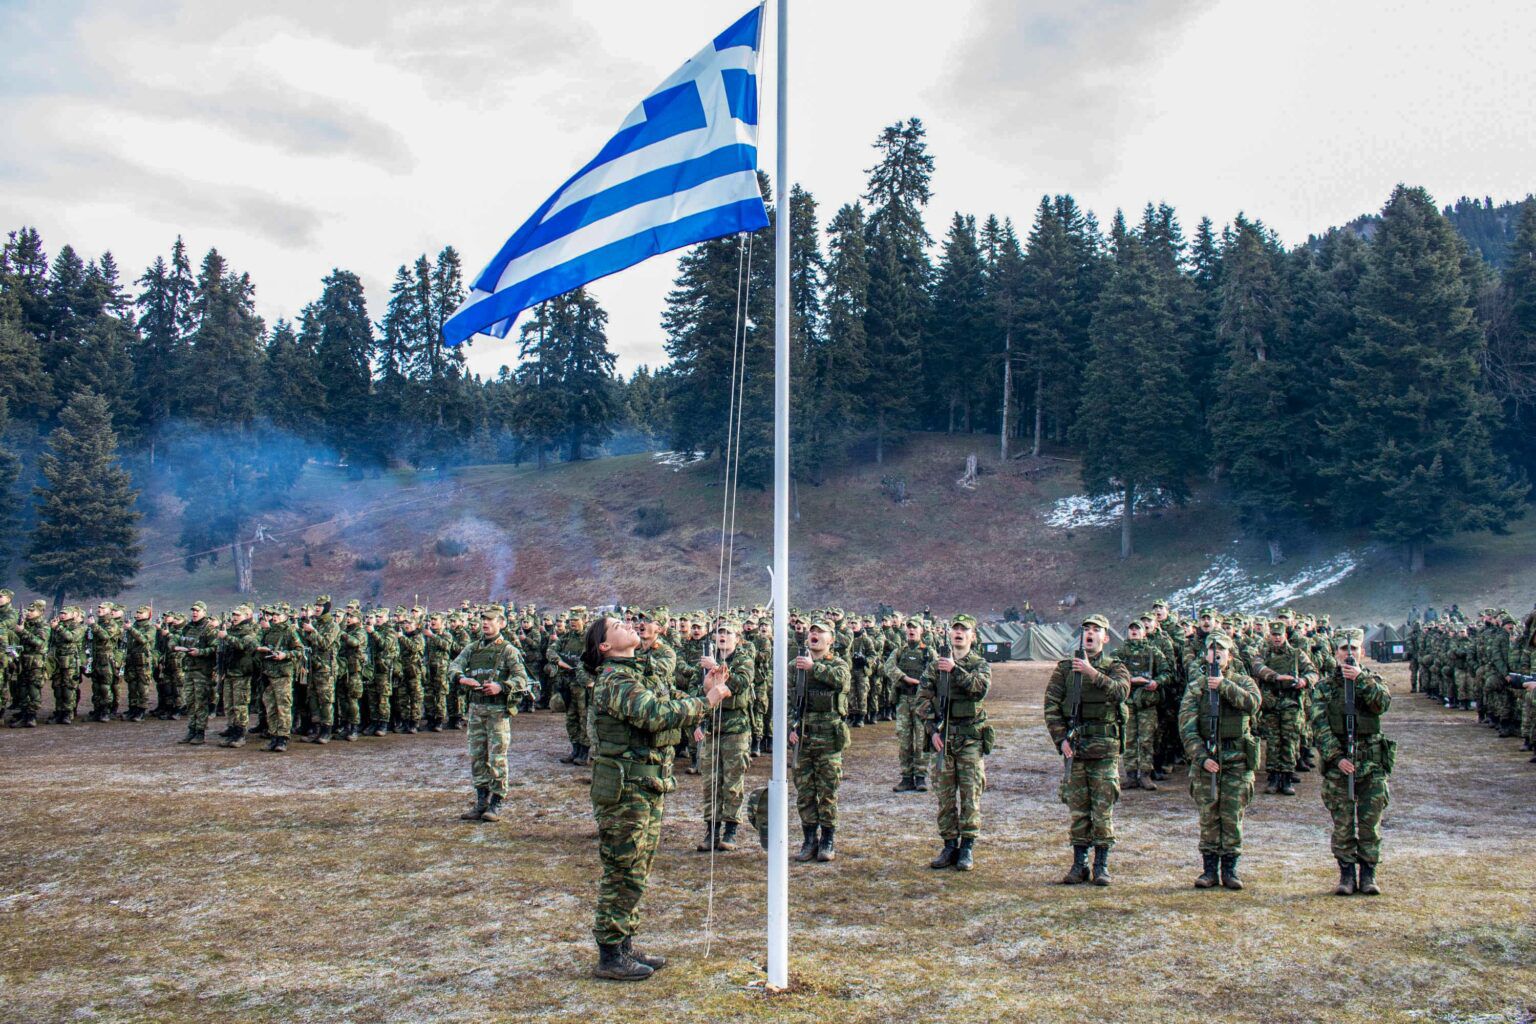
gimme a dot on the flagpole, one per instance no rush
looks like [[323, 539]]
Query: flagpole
[[778, 789]]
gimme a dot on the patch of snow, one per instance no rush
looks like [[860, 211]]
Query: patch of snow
[[1105, 510], [1228, 586], [677, 460]]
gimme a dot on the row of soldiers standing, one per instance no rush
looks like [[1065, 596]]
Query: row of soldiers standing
[[1488, 666]]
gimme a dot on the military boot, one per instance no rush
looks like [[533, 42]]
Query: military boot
[[808, 848], [920, 783], [1101, 865], [1368, 884], [410, 728], [1078, 872], [1272, 783], [583, 756], [571, 757], [434, 725], [727, 841], [857, 721], [191, 733], [615, 966], [482, 796], [655, 963], [1287, 784], [349, 732], [1209, 878], [1133, 780], [826, 851], [963, 856], [492, 809], [1346, 886], [711, 837], [906, 785], [946, 857], [1229, 877], [1147, 783], [276, 745], [322, 736], [29, 720], [756, 750], [236, 738]]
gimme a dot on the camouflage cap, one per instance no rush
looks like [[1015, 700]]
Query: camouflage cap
[[199, 606], [7, 594], [38, 606], [729, 625], [1097, 620], [1218, 639], [578, 609], [143, 609], [823, 623], [919, 623], [964, 621], [323, 599], [1159, 603], [1277, 626], [492, 612], [1349, 638], [241, 609], [1207, 610]]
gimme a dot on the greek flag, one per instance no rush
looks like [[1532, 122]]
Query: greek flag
[[681, 169]]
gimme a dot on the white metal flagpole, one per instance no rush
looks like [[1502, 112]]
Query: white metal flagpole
[[778, 787]]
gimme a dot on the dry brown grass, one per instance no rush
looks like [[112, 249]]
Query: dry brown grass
[[150, 882]]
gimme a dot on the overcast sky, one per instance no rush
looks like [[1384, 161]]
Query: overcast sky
[[301, 135]]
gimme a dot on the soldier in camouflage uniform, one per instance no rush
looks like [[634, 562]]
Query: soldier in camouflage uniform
[[237, 657], [491, 672], [905, 668], [561, 665], [197, 641], [1149, 670], [413, 650], [351, 672], [1225, 750], [10, 655], [1357, 820], [725, 738], [821, 735], [439, 654], [321, 635], [1084, 701], [33, 641], [961, 739], [104, 636], [66, 650], [139, 662], [1284, 672], [636, 723], [865, 658], [281, 653], [383, 652]]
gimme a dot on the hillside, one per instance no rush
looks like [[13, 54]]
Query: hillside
[[571, 533]]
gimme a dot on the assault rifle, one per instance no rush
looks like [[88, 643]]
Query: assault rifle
[[1519, 680], [1213, 721], [799, 694], [1349, 725], [1074, 713], [941, 698]]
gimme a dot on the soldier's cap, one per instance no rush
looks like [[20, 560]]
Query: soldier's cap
[[323, 599], [1218, 639], [7, 593], [199, 606], [1147, 617], [919, 623], [38, 606], [354, 605], [964, 621], [1159, 603], [143, 609], [822, 623], [492, 613], [241, 609], [1207, 610], [578, 609], [1097, 620], [1349, 638], [1136, 624], [1277, 626], [729, 625], [417, 611]]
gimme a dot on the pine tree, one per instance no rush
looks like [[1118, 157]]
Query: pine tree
[[1409, 430], [160, 351], [396, 389], [10, 471], [1511, 360], [959, 333], [85, 543], [1135, 421], [569, 391], [896, 310], [1006, 302], [839, 374], [293, 395], [336, 327], [224, 353]]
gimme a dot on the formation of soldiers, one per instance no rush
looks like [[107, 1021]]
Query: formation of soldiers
[[1487, 666]]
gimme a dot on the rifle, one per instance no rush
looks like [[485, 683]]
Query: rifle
[[941, 698], [1074, 713], [1349, 724], [799, 693], [1213, 723]]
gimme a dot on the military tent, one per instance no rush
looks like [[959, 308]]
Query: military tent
[[1031, 641]]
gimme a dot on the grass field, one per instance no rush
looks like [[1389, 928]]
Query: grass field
[[150, 882]]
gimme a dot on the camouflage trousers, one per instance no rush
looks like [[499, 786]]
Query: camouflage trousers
[[959, 776], [199, 692], [277, 701], [1528, 715], [1280, 729], [407, 697], [762, 704], [1413, 675], [1141, 739], [237, 700], [723, 760], [818, 773], [628, 831], [1461, 686], [490, 737], [322, 694], [66, 687], [104, 687], [28, 689], [1356, 823], [576, 713], [1090, 793], [376, 696], [858, 697], [349, 695], [454, 698], [1496, 697], [435, 696], [1221, 818], [174, 679], [138, 680], [911, 738]]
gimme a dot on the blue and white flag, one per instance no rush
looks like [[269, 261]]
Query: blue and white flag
[[681, 169]]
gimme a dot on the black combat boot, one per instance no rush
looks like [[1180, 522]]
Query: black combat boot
[[1368, 884], [1078, 872], [906, 785], [614, 965], [136, 715], [655, 963], [276, 745], [482, 797], [727, 841], [963, 856], [1208, 878], [409, 728], [693, 763], [1272, 783], [322, 736], [826, 850], [349, 732], [236, 737], [1101, 865], [1133, 780], [492, 809], [857, 721], [756, 750], [1229, 877], [191, 732], [1346, 886], [584, 756], [711, 837], [920, 783], [808, 848], [434, 725], [571, 757], [1288, 783], [29, 720], [946, 857]]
